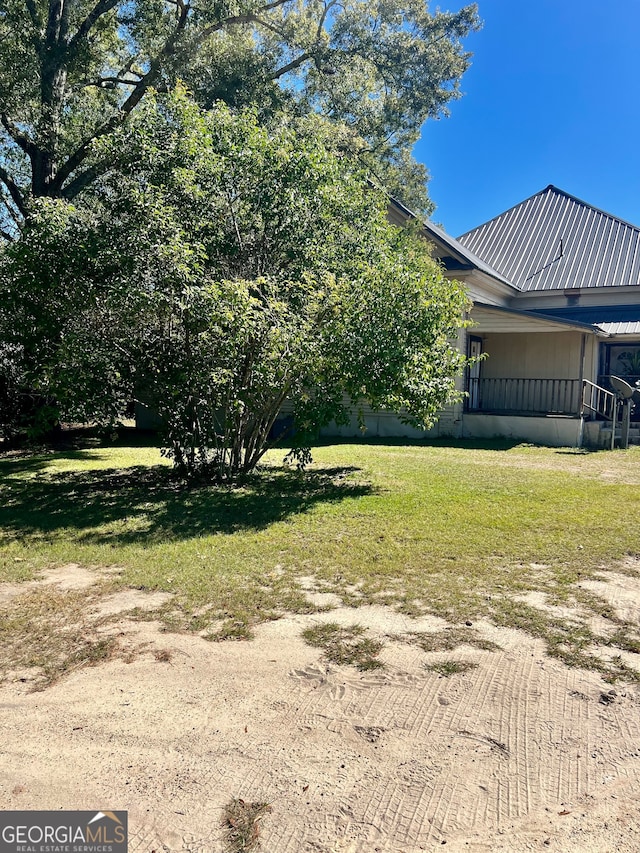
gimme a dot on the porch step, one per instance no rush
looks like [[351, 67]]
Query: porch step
[[605, 435]]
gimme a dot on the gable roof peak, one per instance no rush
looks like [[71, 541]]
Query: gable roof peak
[[592, 207], [550, 189], [554, 241]]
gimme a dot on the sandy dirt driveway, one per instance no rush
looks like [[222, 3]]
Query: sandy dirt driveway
[[519, 753]]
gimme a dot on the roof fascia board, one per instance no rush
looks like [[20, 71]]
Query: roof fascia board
[[451, 246], [570, 324], [483, 286]]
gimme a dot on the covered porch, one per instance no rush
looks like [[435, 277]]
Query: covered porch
[[529, 382]]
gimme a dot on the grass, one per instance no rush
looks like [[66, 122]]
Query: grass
[[446, 668], [459, 531], [446, 640], [242, 825], [345, 645], [49, 635]]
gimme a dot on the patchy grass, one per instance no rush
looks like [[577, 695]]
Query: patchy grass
[[458, 531], [446, 640], [345, 645], [231, 629], [242, 825], [48, 633], [447, 668], [571, 640]]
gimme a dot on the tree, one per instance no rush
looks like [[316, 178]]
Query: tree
[[74, 71], [219, 268]]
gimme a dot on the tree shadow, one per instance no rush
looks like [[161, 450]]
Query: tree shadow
[[147, 504], [579, 451], [497, 443], [28, 462]]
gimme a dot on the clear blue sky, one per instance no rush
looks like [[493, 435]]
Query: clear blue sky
[[552, 97]]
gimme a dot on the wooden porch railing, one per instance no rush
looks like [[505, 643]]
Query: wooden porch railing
[[526, 396]]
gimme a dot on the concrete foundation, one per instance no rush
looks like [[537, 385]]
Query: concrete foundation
[[551, 431]]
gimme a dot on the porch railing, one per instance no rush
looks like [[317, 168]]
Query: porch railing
[[598, 402], [527, 396]]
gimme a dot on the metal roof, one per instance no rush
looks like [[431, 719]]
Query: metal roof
[[613, 319], [460, 258], [554, 241], [621, 328]]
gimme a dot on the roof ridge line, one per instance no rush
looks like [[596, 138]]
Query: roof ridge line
[[559, 191], [508, 210], [590, 206]]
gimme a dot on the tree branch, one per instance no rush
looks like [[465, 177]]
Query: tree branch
[[80, 182], [11, 210], [149, 79], [54, 18], [11, 220], [268, 26], [110, 82], [33, 13], [21, 139], [101, 8], [291, 66], [14, 190], [64, 22], [248, 18], [323, 17], [116, 120]]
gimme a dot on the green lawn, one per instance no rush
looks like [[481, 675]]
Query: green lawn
[[458, 531]]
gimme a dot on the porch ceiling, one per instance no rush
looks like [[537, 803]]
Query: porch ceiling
[[493, 318]]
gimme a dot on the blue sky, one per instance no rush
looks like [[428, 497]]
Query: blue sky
[[552, 97]]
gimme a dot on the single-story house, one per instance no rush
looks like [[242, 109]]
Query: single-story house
[[555, 285]]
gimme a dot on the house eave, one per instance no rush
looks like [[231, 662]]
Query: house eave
[[533, 320], [465, 262]]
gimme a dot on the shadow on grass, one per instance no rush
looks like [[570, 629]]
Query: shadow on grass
[[32, 463], [459, 443], [579, 451], [147, 504]]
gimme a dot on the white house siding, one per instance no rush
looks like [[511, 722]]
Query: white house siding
[[547, 355], [480, 288], [592, 358]]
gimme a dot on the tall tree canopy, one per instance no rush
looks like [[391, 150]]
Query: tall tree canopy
[[73, 71]]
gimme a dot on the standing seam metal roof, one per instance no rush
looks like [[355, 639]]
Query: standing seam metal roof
[[441, 237], [555, 241], [613, 319]]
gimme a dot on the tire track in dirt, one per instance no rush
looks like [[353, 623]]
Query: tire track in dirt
[[522, 726], [497, 758]]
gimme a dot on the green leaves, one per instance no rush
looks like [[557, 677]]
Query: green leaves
[[220, 268], [72, 74]]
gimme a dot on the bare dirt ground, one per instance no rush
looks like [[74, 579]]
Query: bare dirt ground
[[519, 753]]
